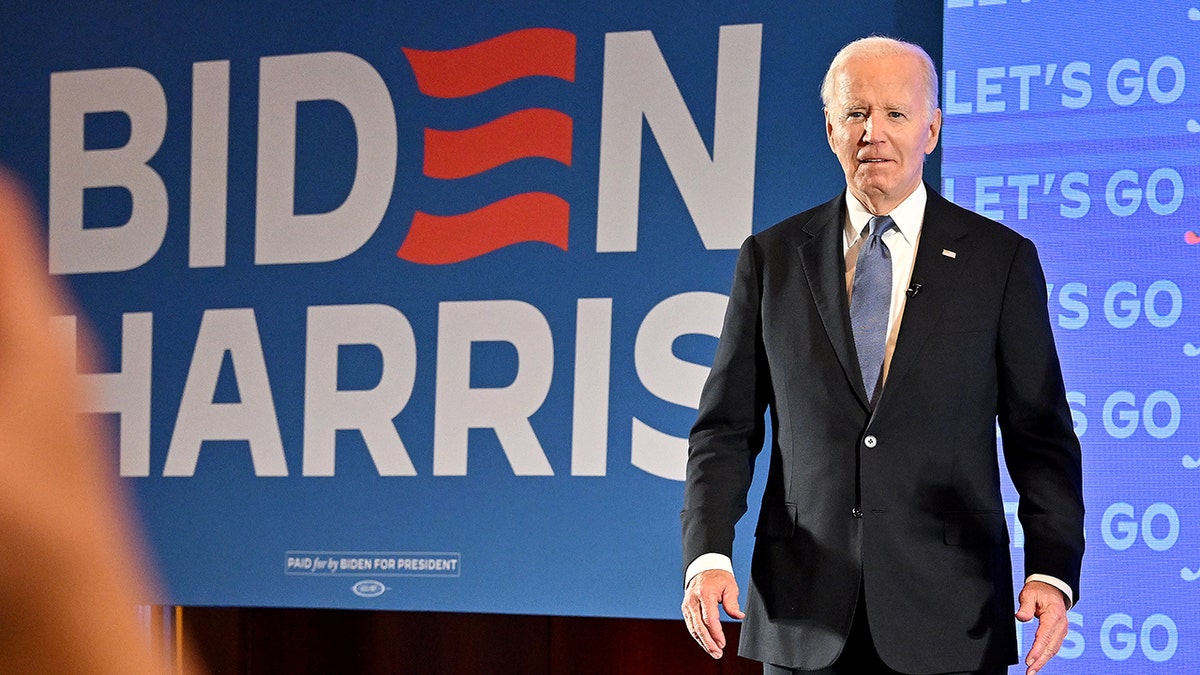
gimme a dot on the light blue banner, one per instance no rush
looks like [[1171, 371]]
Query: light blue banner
[[1075, 123]]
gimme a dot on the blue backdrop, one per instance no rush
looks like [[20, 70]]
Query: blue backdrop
[[407, 305]]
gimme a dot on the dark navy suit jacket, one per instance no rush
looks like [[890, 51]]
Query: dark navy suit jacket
[[903, 501]]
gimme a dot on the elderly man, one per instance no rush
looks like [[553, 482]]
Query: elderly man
[[886, 332]]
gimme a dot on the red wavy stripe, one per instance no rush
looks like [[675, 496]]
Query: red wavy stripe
[[526, 133], [454, 73], [530, 216], [1191, 238]]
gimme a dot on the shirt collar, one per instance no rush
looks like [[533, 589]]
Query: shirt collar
[[908, 215]]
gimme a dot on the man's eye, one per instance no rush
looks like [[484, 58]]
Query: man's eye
[[896, 115], [854, 116]]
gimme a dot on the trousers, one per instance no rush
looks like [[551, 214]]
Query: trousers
[[859, 657]]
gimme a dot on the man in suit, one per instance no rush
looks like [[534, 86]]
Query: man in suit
[[881, 544]]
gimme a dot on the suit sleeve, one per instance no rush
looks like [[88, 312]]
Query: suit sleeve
[[1040, 447], [729, 429]]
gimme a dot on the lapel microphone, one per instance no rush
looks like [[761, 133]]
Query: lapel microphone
[[913, 289]]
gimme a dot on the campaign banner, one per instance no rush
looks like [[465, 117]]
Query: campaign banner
[[408, 305], [1076, 124]]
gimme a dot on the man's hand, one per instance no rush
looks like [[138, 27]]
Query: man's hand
[[1048, 605], [703, 594]]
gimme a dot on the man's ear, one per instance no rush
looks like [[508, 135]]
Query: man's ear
[[829, 131], [935, 130]]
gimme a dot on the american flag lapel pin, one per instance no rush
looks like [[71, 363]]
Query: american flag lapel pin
[[949, 254]]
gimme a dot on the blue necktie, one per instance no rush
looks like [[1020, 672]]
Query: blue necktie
[[870, 302]]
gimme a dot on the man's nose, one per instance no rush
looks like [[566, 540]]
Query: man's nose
[[868, 129]]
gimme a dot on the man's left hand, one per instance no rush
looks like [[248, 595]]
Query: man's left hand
[[1041, 600]]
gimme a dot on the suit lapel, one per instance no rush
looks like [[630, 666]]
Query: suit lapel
[[824, 263], [943, 252]]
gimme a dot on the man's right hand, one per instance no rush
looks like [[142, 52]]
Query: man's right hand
[[703, 594]]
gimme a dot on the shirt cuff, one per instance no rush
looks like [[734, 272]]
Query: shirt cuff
[[1044, 578], [708, 561], [717, 561]]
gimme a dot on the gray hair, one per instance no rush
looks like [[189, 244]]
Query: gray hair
[[877, 46]]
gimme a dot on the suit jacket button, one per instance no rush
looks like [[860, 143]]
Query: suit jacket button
[[856, 512], [870, 441]]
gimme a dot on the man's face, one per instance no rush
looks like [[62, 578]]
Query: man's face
[[880, 128]]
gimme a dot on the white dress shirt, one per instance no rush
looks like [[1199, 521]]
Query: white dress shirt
[[901, 241]]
